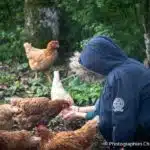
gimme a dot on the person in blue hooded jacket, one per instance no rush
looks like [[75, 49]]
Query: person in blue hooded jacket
[[124, 106]]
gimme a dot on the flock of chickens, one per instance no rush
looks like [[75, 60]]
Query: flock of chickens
[[22, 115]]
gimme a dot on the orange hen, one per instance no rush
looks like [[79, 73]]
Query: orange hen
[[18, 140], [7, 113], [80, 139], [33, 110], [41, 59]]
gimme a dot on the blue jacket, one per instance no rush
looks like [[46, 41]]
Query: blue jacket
[[125, 101]]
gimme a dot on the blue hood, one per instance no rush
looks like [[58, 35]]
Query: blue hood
[[101, 55]]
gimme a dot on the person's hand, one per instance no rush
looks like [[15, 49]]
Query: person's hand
[[71, 113], [74, 108], [64, 112], [71, 108]]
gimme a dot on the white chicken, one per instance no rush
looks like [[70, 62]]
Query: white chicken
[[58, 91]]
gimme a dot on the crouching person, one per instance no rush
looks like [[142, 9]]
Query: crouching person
[[124, 106]]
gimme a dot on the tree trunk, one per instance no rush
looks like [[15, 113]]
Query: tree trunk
[[41, 22], [147, 45], [146, 24]]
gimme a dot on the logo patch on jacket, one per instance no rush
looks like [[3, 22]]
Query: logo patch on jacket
[[118, 104]]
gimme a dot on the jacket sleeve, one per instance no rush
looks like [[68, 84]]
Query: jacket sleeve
[[90, 115], [124, 111]]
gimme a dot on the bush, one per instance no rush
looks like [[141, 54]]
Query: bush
[[82, 92], [11, 46]]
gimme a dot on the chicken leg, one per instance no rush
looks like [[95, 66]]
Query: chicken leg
[[48, 76], [36, 75]]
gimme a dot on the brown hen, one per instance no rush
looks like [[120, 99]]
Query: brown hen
[[33, 110], [18, 140], [80, 139], [41, 59], [7, 113]]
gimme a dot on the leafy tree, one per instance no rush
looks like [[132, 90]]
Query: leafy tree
[[11, 27], [127, 22], [117, 19]]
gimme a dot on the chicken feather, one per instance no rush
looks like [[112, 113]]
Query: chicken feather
[[41, 59], [80, 139], [58, 91], [34, 110]]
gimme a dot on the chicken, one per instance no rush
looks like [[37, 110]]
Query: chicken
[[81, 72], [58, 91], [7, 113], [34, 110], [18, 140], [80, 139], [41, 59], [19, 101]]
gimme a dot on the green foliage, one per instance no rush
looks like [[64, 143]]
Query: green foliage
[[38, 88], [117, 19], [6, 78], [18, 80], [129, 41], [82, 92], [23, 67], [16, 88], [11, 28], [79, 20], [11, 46], [11, 14]]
